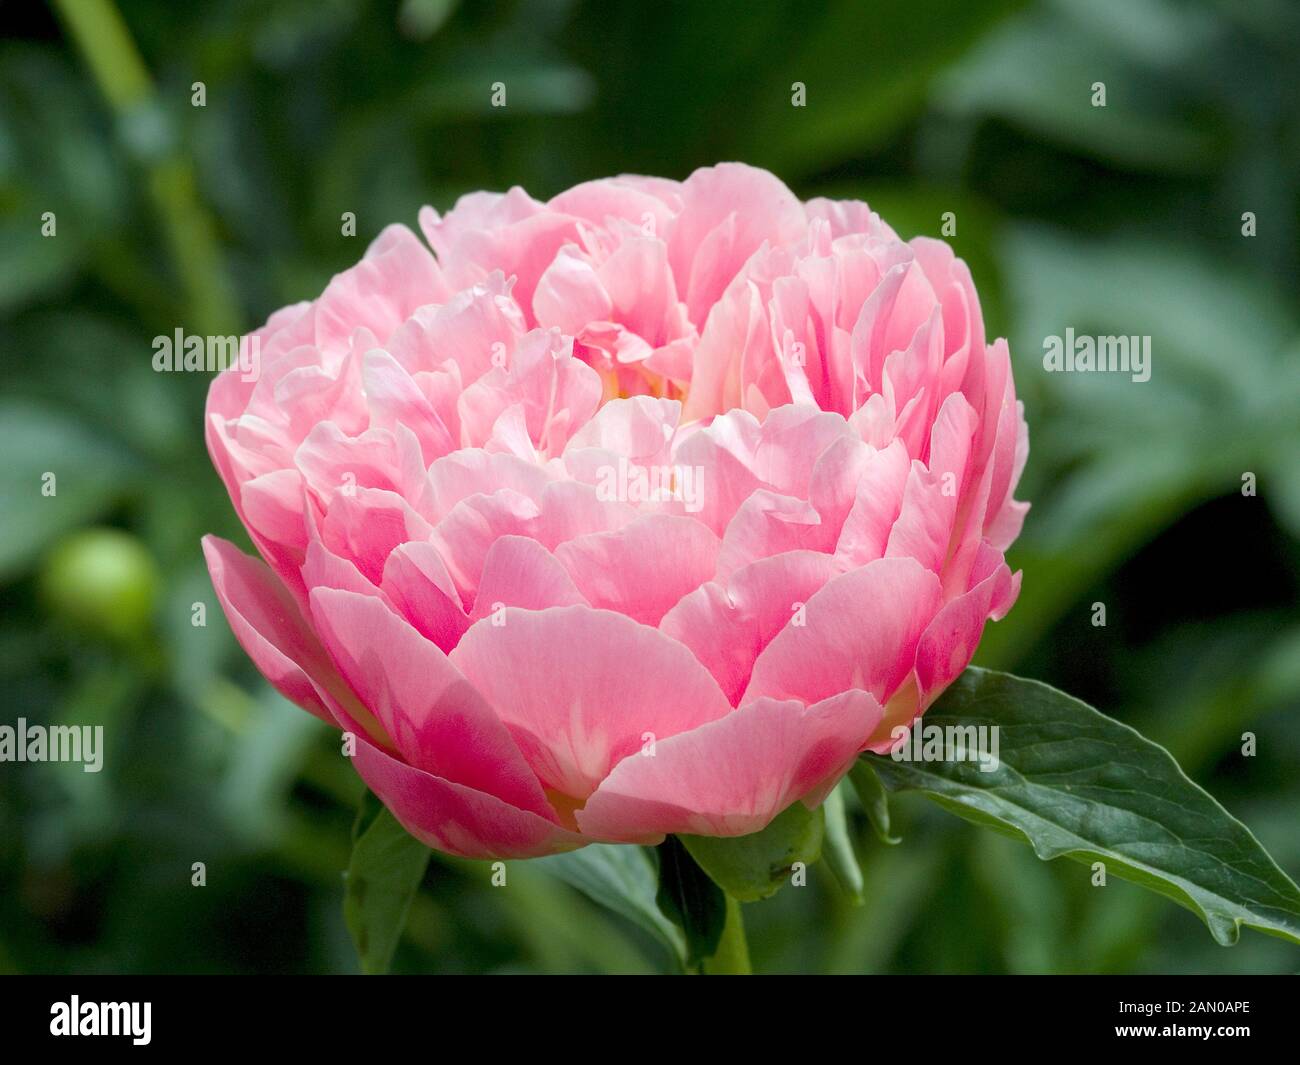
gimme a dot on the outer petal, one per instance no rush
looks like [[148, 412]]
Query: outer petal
[[435, 717], [861, 632], [268, 625], [579, 688], [731, 776], [457, 819], [949, 641]]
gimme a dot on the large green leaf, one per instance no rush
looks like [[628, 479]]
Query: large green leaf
[[624, 879], [1073, 782], [385, 871], [753, 867], [1037, 72], [856, 97], [866, 68]]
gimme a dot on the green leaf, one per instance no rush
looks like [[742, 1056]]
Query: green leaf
[[840, 855], [753, 867], [624, 879], [1073, 782], [873, 97], [874, 799], [691, 900], [385, 872], [1030, 73]]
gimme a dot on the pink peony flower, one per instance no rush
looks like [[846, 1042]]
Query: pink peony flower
[[641, 511]]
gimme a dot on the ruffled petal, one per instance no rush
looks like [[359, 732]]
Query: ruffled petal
[[732, 776], [580, 689]]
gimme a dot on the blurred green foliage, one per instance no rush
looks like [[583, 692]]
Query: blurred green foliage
[[1125, 219]]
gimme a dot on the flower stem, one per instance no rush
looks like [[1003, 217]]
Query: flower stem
[[732, 956]]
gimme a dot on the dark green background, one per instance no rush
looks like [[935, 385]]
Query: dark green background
[[1125, 219]]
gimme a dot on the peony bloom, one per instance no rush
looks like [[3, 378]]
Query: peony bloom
[[641, 511]]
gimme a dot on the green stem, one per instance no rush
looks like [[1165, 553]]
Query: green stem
[[732, 957], [102, 36]]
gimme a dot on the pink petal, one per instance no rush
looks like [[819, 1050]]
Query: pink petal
[[727, 212], [468, 330], [730, 777], [580, 688], [268, 625], [847, 216], [457, 819], [735, 333], [472, 472], [571, 509], [519, 571], [464, 536], [644, 568], [365, 524], [768, 524], [861, 632], [599, 201], [949, 641], [396, 276], [556, 391], [878, 498], [728, 626], [289, 327], [570, 294], [331, 461], [473, 212], [638, 428], [723, 452], [433, 715], [395, 399], [272, 505], [324, 569], [318, 392], [421, 590]]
